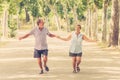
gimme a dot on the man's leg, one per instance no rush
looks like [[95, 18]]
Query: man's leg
[[45, 60], [40, 65], [74, 64], [45, 63]]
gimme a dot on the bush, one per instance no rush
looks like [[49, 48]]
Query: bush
[[13, 27]]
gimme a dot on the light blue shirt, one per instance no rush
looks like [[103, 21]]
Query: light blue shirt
[[76, 43]]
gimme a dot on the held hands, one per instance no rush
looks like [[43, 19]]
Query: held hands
[[20, 38], [57, 36]]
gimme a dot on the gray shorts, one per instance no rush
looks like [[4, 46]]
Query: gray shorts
[[75, 54], [39, 53]]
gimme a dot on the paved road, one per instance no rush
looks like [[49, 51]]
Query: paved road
[[17, 62]]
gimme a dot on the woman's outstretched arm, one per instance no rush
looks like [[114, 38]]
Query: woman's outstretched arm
[[65, 39], [87, 39]]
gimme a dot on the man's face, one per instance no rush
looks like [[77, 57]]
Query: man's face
[[41, 24]]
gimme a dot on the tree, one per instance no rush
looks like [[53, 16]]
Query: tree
[[104, 21], [25, 4], [115, 23], [44, 11], [53, 6], [4, 12], [12, 22]]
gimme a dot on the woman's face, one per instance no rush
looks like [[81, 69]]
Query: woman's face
[[77, 28]]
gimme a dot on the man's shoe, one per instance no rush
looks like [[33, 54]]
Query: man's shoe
[[41, 72], [46, 68], [78, 69]]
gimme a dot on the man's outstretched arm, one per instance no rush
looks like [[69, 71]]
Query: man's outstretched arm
[[25, 36], [51, 35], [65, 39]]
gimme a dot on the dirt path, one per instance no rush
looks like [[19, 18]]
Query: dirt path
[[17, 62]]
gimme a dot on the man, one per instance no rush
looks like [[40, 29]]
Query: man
[[41, 48]]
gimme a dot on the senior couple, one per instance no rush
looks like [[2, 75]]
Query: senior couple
[[41, 47]]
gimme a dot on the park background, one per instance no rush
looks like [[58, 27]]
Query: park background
[[99, 20]]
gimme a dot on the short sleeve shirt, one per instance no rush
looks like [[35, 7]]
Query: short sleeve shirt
[[40, 37]]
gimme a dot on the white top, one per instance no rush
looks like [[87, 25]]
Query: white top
[[40, 38], [76, 43]]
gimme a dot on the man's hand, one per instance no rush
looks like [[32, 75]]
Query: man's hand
[[52, 35]]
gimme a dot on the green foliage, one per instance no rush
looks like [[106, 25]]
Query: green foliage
[[81, 9], [72, 28], [109, 13], [60, 9], [35, 11], [13, 27], [98, 3], [21, 5], [84, 5], [68, 8], [52, 2], [0, 34], [46, 10], [71, 3], [1, 7], [71, 20], [12, 8], [31, 6]]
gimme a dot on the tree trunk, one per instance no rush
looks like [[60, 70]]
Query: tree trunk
[[104, 21], [119, 22], [95, 27], [27, 15], [57, 19], [75, 15], [66, 19], [4, 24], [18, 22], [89, 22], [33, 22], [115, 23], [47, 21]]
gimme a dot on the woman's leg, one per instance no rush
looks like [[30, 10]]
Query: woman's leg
[[78, 60], [74, 63]]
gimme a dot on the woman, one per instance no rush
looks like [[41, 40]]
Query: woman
[[75, 50]]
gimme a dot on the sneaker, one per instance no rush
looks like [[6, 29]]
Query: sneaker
[[74, 71], [41, 72], [78, 69], [46, 68]]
